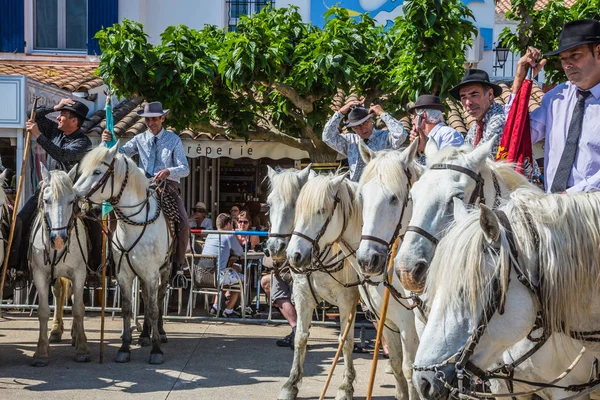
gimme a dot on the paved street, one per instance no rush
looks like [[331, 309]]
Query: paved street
[[203, 361]]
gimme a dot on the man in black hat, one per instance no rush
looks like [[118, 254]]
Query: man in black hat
[[65, 145], [569, 116], [360, 120], [162, 158], [477, 93], [428, 124]]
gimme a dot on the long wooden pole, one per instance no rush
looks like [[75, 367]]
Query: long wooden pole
[[340, 347], [380, 326], [16, 204], [103, 301]]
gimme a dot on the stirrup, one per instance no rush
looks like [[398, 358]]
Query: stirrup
[[179, 281]]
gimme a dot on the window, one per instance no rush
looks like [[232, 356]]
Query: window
[[60, 25], [237, 8]]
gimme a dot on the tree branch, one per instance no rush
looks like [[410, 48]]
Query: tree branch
[[305, 104]]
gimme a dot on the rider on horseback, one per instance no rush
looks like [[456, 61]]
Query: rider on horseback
[[163, 159]]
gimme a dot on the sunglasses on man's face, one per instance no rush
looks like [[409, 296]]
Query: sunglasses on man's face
[[199, 210]]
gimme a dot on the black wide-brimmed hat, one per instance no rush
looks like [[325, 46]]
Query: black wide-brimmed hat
[[475, 76], [427, 101], [357, 116], [78, 108], [153, 109], [575, 33]]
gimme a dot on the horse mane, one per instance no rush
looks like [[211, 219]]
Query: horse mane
[[504, 171], [318, 193], [387, 170], [287, 185], [557, 237], [137, 181], [60, 184]]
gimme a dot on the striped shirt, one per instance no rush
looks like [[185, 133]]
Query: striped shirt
[[170, 153]]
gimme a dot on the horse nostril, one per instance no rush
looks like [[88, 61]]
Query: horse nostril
[[420, 270], [425, 387], [281, 247], [297, 257], [375, 260], [267, 253]]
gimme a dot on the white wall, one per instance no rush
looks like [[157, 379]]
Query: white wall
[[157, 15]]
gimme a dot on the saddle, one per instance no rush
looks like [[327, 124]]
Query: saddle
[[167, 198]]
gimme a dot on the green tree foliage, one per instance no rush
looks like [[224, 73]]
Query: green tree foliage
[[541, 28], [276, 77]]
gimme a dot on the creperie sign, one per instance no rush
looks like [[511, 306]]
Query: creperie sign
[[241, 149]]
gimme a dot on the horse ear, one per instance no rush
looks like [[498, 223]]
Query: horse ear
[[113, 150], [460, 210], [45, 173], [431, 149], [481, 153], [304, 174], [489, 223], [409, 153], [270, 172], [365, 152], [336, 181], [73, 173]]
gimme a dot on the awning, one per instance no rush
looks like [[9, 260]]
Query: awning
[[239, 149]]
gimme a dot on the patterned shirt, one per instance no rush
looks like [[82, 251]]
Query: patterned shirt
[[347, 144], [170, 153], [493, 124], [64, 151]]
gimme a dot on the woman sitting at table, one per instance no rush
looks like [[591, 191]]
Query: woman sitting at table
[[243, 224]]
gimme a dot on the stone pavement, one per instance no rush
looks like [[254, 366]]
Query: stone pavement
[[202, 361]]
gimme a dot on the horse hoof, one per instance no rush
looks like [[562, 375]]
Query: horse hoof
[[163, 338], [123, 357], [144, 341], [82, 358], [39, 362], [55, 337], [344, 396], [287, 394], [156, 358]]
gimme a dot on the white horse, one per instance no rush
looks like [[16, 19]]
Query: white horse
[[59, 248], [283, 195], [452, 173], [327, 213], [487, 293], [383, 193], [142, 241]]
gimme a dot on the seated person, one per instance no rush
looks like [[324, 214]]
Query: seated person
[[235, 211], [229, 246], [199, 218], [280, 293], [243, 224]]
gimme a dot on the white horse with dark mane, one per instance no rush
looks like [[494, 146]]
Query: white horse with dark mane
[[141, 243], [327, 213], [494, 273], [59, 249], [284, 189]]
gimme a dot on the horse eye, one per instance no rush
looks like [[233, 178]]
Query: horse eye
[[97, 172], [394, 199]]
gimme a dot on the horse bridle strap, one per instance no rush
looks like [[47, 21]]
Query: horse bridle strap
[[479, 182], [280, 235], [424, 233]]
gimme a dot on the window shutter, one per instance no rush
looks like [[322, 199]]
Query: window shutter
[[12, 26], [101, 14]]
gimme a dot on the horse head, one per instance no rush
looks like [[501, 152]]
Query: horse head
[[56, 202], [451, 173], [284, 188], [323, 209], [383, 193]]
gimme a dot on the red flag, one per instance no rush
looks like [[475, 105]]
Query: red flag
[[515, 145]]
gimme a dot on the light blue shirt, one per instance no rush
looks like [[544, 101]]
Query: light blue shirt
[[551, 122], [347, 144], [229, 246], [444, 136], [170, 151]]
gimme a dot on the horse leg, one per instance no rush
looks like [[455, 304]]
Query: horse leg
[[125, 279], [165, 273], [304, 308], [394, 344], [151, 312], [410, 343], [82, 353], [40, 358], [346, 389], [144, 339], [60, 297]]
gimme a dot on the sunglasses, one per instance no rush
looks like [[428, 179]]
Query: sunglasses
[[243, 222], [199, 210]]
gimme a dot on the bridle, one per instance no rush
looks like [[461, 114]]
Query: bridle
[[478, 194], [390, 243], [465, 371]]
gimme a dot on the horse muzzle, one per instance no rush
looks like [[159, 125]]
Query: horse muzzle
[[371, 263], [276, 249], [58, 240], [413, 279], [430, 384]]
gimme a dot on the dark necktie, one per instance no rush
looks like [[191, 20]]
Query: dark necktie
[[567, 159], [152, 158], [478, 133]]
